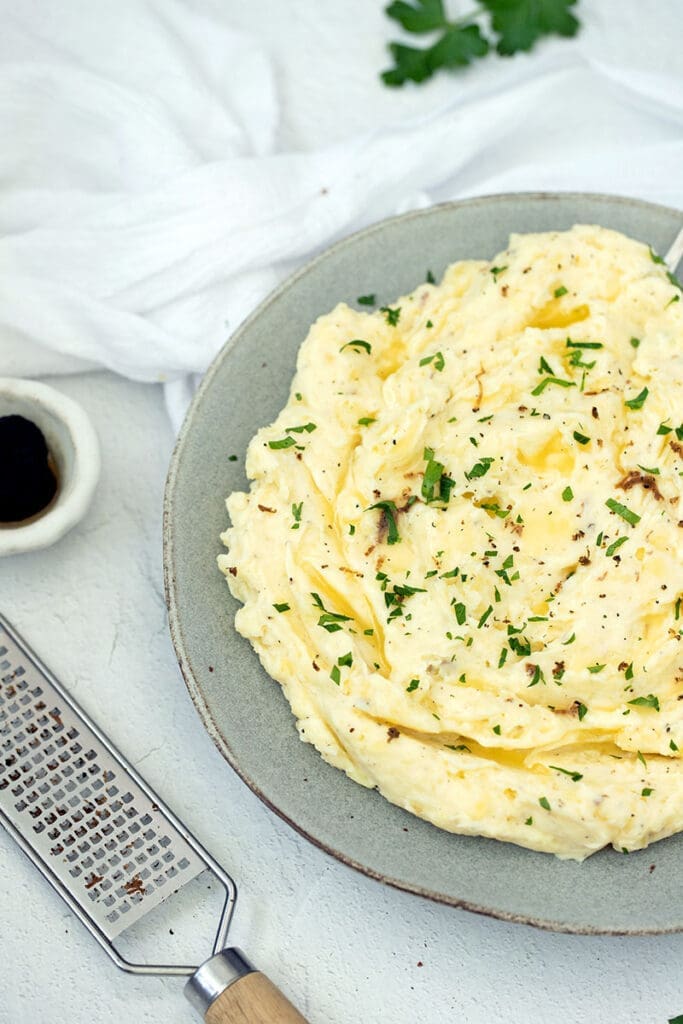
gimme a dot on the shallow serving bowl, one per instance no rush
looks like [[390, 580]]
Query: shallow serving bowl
[[246, 713]]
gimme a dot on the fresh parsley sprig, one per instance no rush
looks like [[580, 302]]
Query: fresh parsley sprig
[[510, 26]]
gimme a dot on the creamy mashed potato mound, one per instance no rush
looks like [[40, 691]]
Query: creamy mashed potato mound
[[460, 555]]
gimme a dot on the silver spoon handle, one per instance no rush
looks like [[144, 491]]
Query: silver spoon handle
[[675, 253]]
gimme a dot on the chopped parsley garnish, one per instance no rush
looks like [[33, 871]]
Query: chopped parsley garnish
[[537, 677], [329, 620], [520, 645], [571, 640], [673, 746], [480, 468], [365, 421], [594, 669], [389, 509], [430, 279], [345, 660], [434, 476], [639, 401], [574, 776], [284, 442], [653, 470], [567, 494], [496, 271], [646, 702], [663, 429], [487, 613], [352, 529], [232, 458], [335, 675], [496, 729], [582, 711], [615, 545], [646, 791], [677, 609], [412, 685], [529, 821], [358, 344], [503, 657], [429, 324], [584, 344], [641, 759], [543, 801], [460, 746], [655, 257], [366, 300], [581, 438], [629, 671], [305, 428], [281, 607], [621, 510], [492, 506], [392, 316], [559, 292], [553, 380], [438, 360], [635, 342], [460, 613], [545, 367], [296, 512]]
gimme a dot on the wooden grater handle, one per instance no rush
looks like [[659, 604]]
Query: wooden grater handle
[[228, 990], [252, 999]]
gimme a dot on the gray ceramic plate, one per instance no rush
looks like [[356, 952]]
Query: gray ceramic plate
[[245, 712]]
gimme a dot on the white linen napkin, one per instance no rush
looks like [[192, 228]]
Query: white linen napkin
[[145, 209]]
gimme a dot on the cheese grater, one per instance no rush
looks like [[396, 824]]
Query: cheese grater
[[105, 841]]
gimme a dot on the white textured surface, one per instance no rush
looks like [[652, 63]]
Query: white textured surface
[[344, 947]]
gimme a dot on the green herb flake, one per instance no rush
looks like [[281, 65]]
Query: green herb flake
[[438, 360], [615, 545], [581, 438], [584, 344], [352, 529], [621, 510], [429, 324], [284, 442], [628, 674], [392, 316], [358, 344], [497, 271], [652, 470], [281, 607], [639, 401], [460, 613], [567, 494], [673, 746], [232, 458], [529, 821], [559, 292], [594, 669], [553, 380], [365, 421], [460, 746], [485, 616], [543, 801], [480, 468], [647, 791], [503, 657], [430, 279], [574, 776], [366, 300], [651, 701], [335, 675], [663, 429], [296, 513], [677, 608], [389, 509], [496, 729], [635, 342], [412, 685], [582, 711]]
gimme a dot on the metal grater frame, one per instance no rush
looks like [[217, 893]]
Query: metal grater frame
[[96, 831]]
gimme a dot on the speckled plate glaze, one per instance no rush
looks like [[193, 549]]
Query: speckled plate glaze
[[246, 713]]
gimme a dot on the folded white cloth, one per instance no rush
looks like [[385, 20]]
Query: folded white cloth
[[145, 209]]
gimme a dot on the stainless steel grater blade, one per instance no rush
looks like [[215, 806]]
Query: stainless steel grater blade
[[104, 840]]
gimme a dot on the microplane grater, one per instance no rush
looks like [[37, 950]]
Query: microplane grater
[[104, 840]]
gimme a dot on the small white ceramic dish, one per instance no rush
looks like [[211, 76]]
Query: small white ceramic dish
[[75, 449]]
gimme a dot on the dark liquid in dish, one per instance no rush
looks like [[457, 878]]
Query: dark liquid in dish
[[28, 478]]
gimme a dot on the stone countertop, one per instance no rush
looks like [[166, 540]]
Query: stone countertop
[[343, 947]]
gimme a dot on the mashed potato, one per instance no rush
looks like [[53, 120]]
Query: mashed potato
[[461, 551]]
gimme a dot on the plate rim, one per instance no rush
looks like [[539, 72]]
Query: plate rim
[[170, 578]]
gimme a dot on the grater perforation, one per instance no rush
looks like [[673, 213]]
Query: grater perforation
[[88, 820]]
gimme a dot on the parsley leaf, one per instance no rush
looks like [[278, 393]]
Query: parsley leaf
[[520, 23], [389, 510], [510, 25]]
